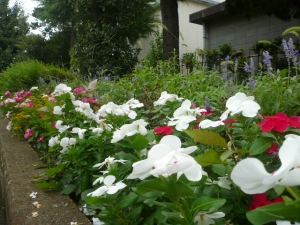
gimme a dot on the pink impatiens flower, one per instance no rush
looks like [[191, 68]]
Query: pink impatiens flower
[[163, 130], [28, 133], [7, 93], [78, 90], [262, 200]]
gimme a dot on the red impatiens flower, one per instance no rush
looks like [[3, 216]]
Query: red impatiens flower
[[230, 122], [295, 121], [279, 122], [273, 149], [163, 130], [262, 200]]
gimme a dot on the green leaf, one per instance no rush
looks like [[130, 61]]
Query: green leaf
[[96, 200], [206, 203], [151, 185], [51, 185], [139, 142], [226, 154], [292, 30], [50, 172], [278, 211], [208, 158], [68, 189], [207, 137], [260, 145], [219, 169], [127, 201]]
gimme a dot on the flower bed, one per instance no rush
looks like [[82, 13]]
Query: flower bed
[[176, 164]]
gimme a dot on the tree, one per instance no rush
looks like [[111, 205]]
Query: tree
[[106, 34], [12, 26], [170, 19], [282, 9]]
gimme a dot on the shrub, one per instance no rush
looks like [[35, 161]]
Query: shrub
[[24, 75]]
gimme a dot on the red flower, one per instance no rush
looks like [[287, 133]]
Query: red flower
[[295, 122], [163, 130], [273, 149], [279, 122], [262, 200], [230, 121]]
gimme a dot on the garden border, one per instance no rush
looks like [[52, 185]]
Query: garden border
[[18, 169]]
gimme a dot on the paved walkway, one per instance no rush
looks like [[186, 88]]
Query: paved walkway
[[2, 208]]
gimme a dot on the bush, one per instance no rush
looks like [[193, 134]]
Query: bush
[[24, 75]]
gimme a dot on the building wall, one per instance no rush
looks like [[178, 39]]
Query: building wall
[[192, 34], [241, 33]]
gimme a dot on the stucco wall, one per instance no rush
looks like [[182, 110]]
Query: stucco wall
[[192, 33], [241, 33]]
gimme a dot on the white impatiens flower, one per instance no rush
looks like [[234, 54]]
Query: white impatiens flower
[[134, 103], [209, 123], [109, 187], [138, 126], [61, 89], [33, 88], [54, 141], [112, 108], [282, 222], [206, 217], [184, 115], [251, 175], [85, 108], [79, 131], [66, 143], [109, 161], [168, 158], [61, 128], [164, 97], [58, 110], [240, 103], [96, 221], [223, 182], [33, 194]]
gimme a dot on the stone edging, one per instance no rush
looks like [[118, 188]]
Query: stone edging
[[17, 171]]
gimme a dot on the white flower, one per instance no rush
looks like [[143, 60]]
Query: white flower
[[164, 97], [206, 217], [53, 141], [109, 161], [223, 182], [112, 108], [251, 175], [33, 194], [86, 211], [138, 126], [181, 122], [79, 131], [58, 110], [85, 108], [61, 89], [96, 221], [209, 123], [167, 158], [33, 88], [241, 103], [97, 130], [134, 103], [282, 222], [108, 187], [9, 125], [66, 143], [61, 128], [185, 109]]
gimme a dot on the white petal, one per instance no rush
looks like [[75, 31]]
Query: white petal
[[172, 141], [109, 180], [292, 178], [250, 174], [194, 172], [216, 215]]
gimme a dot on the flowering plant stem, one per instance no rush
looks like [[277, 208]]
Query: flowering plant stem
[[290, 190]]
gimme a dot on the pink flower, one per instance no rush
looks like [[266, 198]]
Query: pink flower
[[78, 90], [41, 115], [41, 138], [7, 93], [30, 105], [28, 133], [18, 99], [279, 122], [27, 94], [92, 101]]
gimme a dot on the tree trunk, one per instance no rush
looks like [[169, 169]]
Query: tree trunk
[[169, 14]]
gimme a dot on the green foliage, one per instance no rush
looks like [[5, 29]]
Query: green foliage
[[24, 75], [155, 53], [13, 26], [106, 32]]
